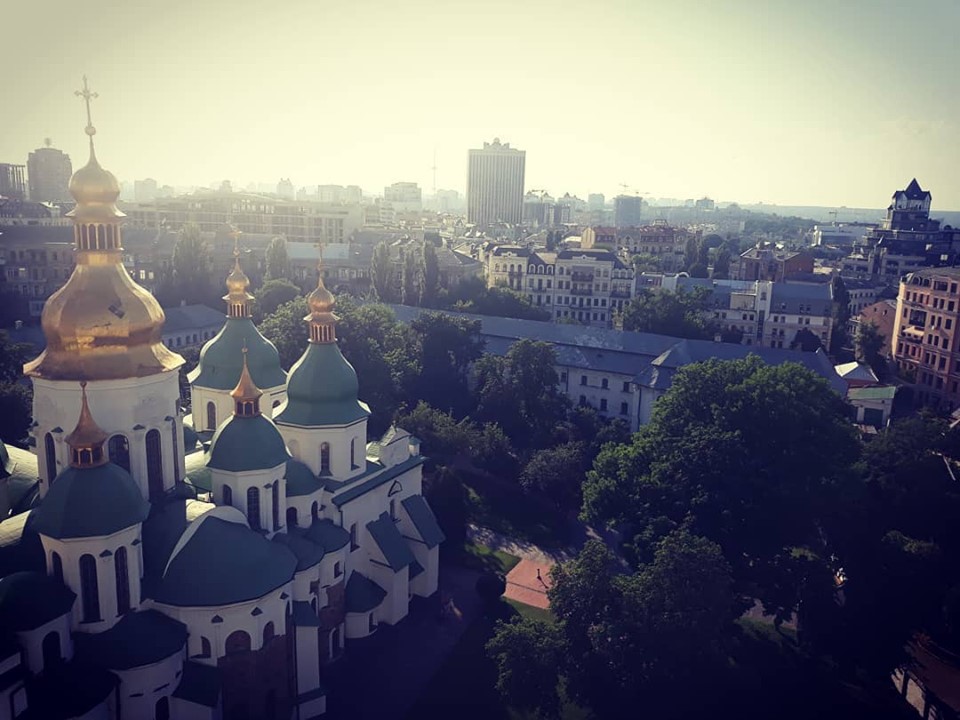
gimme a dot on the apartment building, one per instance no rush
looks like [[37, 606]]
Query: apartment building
[[925, 343], [770, 263]]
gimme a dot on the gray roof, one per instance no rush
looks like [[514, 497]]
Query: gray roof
[[792, 297], [424, 520], [391, 543], [363, 594], [191, 317], [328, 535], [140, 638], [661, 371], [200, 684]]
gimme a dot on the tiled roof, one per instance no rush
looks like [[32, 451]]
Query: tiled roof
[[424, 520], [191, 317], [873, 393], [140, 638], [363, 594], [391, 543]]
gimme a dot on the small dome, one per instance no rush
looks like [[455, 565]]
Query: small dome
[[221, 359], [237, 281], [321, 300], [86, 502], [92, 185], [322, 390], [247, 443], [30, 599], [300, 479]]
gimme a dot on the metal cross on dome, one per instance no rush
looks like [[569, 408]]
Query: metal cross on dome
[[87, 96]]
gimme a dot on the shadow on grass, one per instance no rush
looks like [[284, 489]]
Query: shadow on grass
[[479, 557]]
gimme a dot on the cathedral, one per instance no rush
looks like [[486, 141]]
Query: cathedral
[[208, 565]]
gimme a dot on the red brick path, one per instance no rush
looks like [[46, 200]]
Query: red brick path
[[523, 585]]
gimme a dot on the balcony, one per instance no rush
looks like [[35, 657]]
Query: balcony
[[619, 293], [579, 276], [581, 291]]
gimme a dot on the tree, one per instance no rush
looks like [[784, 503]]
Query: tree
[[381, 272], [278, 263], [745, 454], [698, 270], [275, 293], [721, 265], [691, 252], [805, 341], [13, 307], [431, 275], [869, 344], [448, 500], [556, 474], [444, 439], [13, 355], [527, 654], [15, 412], [286, 329], [191, 269], [679, 314], [841, 315], [490, 588], [448, 346], [411, 287]]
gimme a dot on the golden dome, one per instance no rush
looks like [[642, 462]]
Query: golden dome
[[321, 300], [246, 389], [100, 325], [237, 281], [87, 439]]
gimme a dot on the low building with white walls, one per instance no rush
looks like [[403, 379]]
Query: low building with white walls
[[130, 589]]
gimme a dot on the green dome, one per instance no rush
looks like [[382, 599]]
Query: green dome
[[300, 479], [90, 502], [247, 443], [221, 359], [30, 599], [322, 390]]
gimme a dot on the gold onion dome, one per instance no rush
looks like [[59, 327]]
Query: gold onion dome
[[246, 390], [100, 325], [321, 300], [87, 439]]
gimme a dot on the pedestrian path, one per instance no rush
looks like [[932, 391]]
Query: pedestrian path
[[528, 583]]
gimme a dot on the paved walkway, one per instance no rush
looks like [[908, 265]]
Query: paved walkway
[[528, 583]]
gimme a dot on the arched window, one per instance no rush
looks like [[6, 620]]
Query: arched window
[[253, 508], [268, 633], [205, 647], [325, 458], [51, 650], [123, 580], [174, 445], [50, 450], [162, 709], [353, 453], [89, 589], [276, 505], [154, 465], [119, 450], [211, 415], [227, 496], [291, 517], [314, 514], [237, 642], [57, 564]]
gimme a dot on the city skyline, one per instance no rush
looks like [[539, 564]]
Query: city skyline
[[784, 105]]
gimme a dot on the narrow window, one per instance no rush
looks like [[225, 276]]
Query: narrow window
[[89, 589], [123, 581], [353, 537], [154, 465], [50, 451], [51, 650], [119, 451], [291, 517], [253, 508], [325, 458], [314, 512], [227, 496], [268, 633], [57, 566], [276, 505], [205, 647], [211, 416], [238, 642]]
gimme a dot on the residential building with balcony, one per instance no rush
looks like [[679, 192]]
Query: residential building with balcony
[[925, 343], [590, 286], [770, 263], [506, 265]]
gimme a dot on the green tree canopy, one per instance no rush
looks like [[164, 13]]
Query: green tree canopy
[[381, 272], [285, 328], [15, 412], [528, 654], [278, 263], [679, 314], [448, 346], [275, 293], [191, 269]]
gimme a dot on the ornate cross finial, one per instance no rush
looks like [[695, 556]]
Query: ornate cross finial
[[87, 96], [235, 233]]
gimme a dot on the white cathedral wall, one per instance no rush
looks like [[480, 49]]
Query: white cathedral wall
[[118, 407], [302, 581], [239, 616], [308, 659], [70, 552], [181, 709], [303, 504], [32, 642], [200, 396], [240, 484], [150, 682], [305, 443]]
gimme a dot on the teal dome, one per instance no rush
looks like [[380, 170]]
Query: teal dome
[[221, 359], [300, 479], [322, 390], [30, 599], [90, 502], [247, 443]]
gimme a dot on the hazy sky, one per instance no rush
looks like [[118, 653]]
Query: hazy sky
[[824, 102]]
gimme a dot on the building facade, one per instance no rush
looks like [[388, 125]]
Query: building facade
[[770, 263], [404, 197], [12, 181], [495, 184], [627, 211], [925, 340], [49, 171]]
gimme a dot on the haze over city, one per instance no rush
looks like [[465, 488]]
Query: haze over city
[[790, 103]]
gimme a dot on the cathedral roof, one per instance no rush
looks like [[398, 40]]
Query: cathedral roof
[[31, 599], [328, 535], [322, 390], [140, 638], [247, 443], [300, 479], [915, 192], [424, 520], [363, 594], [90, 502], [391, 543], [221, 359], [222, 563], [308, 553]]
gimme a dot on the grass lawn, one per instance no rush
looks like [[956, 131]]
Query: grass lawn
[[480, 557], [506, 509], [529, 611]]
